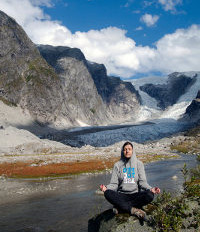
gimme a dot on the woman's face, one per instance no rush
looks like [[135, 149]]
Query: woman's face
[[128, 151]]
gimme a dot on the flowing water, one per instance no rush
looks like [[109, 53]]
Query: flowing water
[[74, 201]]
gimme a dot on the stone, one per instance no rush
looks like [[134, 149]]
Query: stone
[[123, 222]]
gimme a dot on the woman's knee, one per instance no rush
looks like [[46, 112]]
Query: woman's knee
[[149, 196], [108, 193]]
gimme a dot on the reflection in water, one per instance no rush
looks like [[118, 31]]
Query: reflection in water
[[74, 202]]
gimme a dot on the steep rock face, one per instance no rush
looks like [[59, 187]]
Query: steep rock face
[[88, 82], [167, 94], [25, 77], [193, 110], [27, 80], [120, 97], [64, 89], [81, 96]]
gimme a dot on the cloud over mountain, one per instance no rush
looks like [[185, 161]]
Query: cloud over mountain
[[120, 54]]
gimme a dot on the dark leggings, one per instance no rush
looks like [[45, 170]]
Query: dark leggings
[[126, 201]]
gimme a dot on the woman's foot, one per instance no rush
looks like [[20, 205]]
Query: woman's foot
[[138, 212]]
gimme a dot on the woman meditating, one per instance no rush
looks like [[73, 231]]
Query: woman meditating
[[128, 190]]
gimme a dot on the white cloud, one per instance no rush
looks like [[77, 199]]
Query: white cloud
[[178, 51], [39, 26], [149, 19], [170, 5], [139, 28], [47, 3]]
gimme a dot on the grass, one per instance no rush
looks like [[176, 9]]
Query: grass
[[147, 158], [190, 145], [22, 169], [89, 164]]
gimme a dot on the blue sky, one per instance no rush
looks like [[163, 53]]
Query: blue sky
[[132, 38], [84, 15]]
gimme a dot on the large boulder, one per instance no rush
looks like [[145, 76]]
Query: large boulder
[[108, 221]]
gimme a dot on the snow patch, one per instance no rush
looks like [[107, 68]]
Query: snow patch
[[149, 109], [82, 123]]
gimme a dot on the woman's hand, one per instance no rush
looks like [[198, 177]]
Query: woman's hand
[[155, 190], [103, 188]]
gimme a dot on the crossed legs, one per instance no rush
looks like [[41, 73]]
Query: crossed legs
[[126, 201]]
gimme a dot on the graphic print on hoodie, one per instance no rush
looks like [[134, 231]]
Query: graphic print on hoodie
[[128, 175]]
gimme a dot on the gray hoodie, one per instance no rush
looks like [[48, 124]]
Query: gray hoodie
[[128, 175]]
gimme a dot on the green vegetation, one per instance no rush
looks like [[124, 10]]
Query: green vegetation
[[152, 157], [190, 145], [93, 110], [37, 67], [29, 77], [181, 212], [182, 148], [5, 101]]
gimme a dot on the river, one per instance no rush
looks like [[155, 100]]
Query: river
[[74, 201]]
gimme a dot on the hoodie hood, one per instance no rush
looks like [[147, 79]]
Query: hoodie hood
[[128, 175]]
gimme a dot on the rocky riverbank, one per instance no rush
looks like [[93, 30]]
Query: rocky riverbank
[[54, 204], [180, 213], [30, 156]]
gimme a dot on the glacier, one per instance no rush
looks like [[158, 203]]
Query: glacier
[[153, 123], [149, 109]]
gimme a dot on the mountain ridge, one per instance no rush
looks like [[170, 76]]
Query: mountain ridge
[[60, 91], [120, 100]]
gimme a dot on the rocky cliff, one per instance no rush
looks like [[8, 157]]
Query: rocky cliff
[[84, 103], [168, 94], [192, 113], [25, 77], [85, 82], [120, 97], [61, 89]]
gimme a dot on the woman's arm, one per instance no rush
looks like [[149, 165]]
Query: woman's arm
[[142, 181], [114, 182]]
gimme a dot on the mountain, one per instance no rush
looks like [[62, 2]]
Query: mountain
[[85, 82], [121, 97], [167, 97], [168, 94], [192, 113], [63, 88], [25, 77]]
